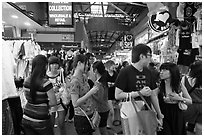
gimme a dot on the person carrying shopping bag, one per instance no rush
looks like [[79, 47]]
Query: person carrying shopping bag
[[137, 77]]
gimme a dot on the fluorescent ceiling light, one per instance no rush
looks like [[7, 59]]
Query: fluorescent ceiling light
[[27, 23], [14, 16]]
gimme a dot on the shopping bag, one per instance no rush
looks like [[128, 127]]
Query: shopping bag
[[129, 120], [147, 119]]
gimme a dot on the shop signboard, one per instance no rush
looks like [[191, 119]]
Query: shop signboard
[[60, 14], [160, 21], [68, 37]]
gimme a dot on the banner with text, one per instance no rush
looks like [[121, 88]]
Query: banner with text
[[60, 14]]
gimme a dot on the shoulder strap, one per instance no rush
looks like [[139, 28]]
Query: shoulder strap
[[186, 83], [188, 86], [144, 100]]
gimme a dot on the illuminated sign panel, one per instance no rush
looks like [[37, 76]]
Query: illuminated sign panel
[[60, 13]]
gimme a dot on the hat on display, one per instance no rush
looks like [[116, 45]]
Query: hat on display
[[53, 60]]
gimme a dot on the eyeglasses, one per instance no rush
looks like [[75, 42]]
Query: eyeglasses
[[150, 55]]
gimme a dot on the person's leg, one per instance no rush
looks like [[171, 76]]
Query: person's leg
[[53, 114], [103, 123], [61, 122], [71, 111], [17, 114], [7, 122], [111, 115]]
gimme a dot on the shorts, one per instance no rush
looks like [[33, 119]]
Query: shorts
[[82, 125], [104, 118]]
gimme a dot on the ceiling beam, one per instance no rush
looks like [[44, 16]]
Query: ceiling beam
[[137, 4], [102, 8], [89, 7], [118, 9], [121, 34], [112, 35]]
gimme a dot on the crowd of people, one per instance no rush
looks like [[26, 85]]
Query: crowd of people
[[81, 86]]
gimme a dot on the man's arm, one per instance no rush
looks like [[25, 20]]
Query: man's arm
[[119, 94], [155, 103]]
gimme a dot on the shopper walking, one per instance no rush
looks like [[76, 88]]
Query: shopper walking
[[81, 96], [111, 77], [40, 95], [57, 112], [193, 83], [170, 93], [136, 77], [101, 97]]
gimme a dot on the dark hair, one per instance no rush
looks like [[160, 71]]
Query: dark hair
[[99, 66], [53, 59], [124, 63], [196, 72], [80, 57], [38, 72], [109, 63], [139, 49], [175, 76]]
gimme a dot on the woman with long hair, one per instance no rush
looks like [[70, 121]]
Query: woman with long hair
[[170, 93], [81, 96], [40, 97], [101, 97]]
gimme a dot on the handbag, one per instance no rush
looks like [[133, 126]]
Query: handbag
[[129, 119], [94, 120], [65, 95], [182, 105], [147, 118]]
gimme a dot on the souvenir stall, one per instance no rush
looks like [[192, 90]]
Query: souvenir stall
[[174, 32]]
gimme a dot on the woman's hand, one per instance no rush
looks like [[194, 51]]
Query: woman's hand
[[160, 122], [174, 96], [94, 90]]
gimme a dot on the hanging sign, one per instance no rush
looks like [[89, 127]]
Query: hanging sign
[[160, 21], [128, 41], [60, 13]]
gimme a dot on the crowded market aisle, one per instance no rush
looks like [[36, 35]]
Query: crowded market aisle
[[126, 68]]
